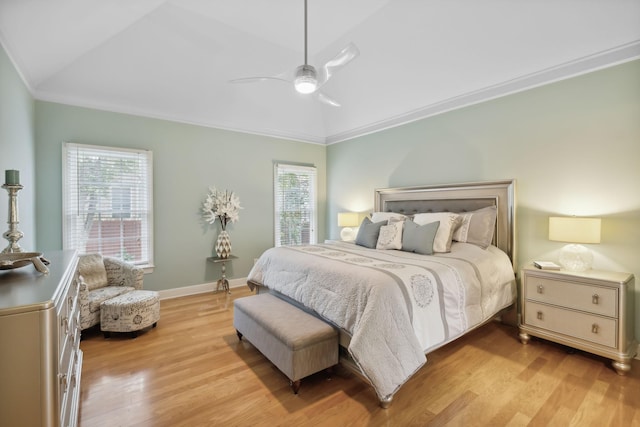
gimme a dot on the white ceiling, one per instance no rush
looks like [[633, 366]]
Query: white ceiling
[[173, 59]]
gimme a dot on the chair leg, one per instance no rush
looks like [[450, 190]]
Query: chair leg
[[295, 386]]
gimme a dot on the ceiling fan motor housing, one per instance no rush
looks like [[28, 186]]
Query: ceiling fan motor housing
[[306, 80]]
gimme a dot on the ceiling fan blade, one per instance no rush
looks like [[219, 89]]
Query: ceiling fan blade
[[327, 100], [346, 55], [257, 79]]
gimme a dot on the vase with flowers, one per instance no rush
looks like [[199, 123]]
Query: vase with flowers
[[225, 207]]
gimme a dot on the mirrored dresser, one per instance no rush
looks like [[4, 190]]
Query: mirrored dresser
[[40, 358]]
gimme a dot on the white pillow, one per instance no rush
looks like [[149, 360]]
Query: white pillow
[[390, 236], [386, 216], [449, 221]]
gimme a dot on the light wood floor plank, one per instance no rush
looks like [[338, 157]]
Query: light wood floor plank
[[193, 371]]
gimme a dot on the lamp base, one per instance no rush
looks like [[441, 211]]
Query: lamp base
[[576, 258], [347, 234]]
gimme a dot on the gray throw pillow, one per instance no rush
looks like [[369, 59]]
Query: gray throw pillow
[[368, 233], [477, 227], [419, 238]]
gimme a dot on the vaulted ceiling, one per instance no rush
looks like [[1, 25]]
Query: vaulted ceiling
[[174, 59]]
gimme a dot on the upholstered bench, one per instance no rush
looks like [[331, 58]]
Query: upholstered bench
[[130, 312], [298, 343]]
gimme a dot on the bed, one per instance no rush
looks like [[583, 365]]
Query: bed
[[395, 304]]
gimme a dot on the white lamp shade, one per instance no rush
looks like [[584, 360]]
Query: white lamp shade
[[574, 229], [348, 219]]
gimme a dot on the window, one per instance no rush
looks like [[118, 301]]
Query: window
[[107, 202], [295, 204]]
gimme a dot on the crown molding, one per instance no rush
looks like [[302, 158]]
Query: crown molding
[[601, 60], [608, 58], [119, 109]]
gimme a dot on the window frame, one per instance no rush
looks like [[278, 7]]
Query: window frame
[[308, 170], [69, 205]]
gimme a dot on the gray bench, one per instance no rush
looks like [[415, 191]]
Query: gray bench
[[298, 343]]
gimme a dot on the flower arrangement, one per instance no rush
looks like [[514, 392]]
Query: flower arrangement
[[222, 205]]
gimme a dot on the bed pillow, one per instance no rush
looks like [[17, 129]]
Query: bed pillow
[[477, 227], [368, 233], [419, 238], [386, 216], [390, 236], [449, 221]]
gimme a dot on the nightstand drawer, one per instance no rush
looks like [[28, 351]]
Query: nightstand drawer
[[588, 327], [593, 299]]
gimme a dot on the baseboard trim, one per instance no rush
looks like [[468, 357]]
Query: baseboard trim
[[199, 289]]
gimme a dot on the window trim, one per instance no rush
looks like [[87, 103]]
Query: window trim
[[148, 154], [314, 217]]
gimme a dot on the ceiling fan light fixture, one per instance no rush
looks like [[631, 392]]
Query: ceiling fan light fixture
[[306, 80]]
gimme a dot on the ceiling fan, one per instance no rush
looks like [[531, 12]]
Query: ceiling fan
[[306, 79]]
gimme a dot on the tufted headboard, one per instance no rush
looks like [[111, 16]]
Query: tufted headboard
[[463, 197]]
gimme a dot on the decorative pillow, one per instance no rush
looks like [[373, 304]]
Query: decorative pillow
[[390, 236], [368, 233], [386, 216], [449, 221], [419, 238], [91, 268], [477, 227]]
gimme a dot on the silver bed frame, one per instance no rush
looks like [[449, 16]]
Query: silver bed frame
[[464, 197]]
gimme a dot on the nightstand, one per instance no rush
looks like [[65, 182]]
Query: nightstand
[[591, 311]]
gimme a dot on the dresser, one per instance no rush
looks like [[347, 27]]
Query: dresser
[[40, 358], [591, 311]]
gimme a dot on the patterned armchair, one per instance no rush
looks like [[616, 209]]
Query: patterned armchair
[[102, 278]]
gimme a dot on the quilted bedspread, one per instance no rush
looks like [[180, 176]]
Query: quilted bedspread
[[395, 305]]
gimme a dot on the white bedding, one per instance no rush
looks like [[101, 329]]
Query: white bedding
[[395, 305]]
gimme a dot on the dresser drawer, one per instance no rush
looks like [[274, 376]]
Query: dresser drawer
[[588, 327], [585, 297]]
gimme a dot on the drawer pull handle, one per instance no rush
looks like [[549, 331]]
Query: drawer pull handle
[[594, 328], [539, 315], [595, 299], [540, 289]]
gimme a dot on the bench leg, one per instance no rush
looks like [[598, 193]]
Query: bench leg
[[295, 386], [239, 334]]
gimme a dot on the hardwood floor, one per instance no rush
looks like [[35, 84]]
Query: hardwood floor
[[192, 371]]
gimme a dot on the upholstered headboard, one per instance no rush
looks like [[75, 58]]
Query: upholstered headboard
[[463, 197]]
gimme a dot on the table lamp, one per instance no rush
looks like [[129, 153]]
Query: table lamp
[[575, 230], [347, 220]]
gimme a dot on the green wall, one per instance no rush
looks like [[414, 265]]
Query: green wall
[[572, 146], [17, 150], [187, 159]]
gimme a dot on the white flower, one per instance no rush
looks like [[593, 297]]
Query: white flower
[[222, 205]]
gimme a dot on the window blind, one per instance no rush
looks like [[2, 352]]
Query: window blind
[[107, 202], [295, 192]]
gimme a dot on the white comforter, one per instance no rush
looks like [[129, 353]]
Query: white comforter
[[396, 305]]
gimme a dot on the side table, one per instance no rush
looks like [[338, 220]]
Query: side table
[[222, 282]]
